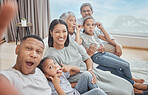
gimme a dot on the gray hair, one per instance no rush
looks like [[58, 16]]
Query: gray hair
[[65, 16], [86, 4]]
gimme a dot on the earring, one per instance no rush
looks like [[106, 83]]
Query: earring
[[51, 36]]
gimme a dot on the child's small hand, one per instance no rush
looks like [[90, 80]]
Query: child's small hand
[[55, 79], [65, 68], [101, 48], [99, 25]]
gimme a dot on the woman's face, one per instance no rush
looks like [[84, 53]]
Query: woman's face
[[89, 26], [59, 34], [71, 23]]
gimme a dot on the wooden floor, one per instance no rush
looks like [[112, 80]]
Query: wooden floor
[[8, 57]]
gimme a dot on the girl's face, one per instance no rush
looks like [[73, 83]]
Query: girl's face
[[89, 26], [71, 23], [59, 34], [51, 68]]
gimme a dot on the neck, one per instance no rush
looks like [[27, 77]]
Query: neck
[[89, 34], [58, 46]]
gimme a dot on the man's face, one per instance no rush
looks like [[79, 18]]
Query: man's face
[[29, 55], [86, 11]]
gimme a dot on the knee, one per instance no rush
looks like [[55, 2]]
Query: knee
[[86, 74]]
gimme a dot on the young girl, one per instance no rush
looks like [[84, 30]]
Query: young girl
[[58, 76], [102, 58]]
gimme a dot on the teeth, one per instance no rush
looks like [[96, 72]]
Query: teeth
[[61, 39]]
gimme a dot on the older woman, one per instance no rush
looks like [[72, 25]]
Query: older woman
[[64, 49]]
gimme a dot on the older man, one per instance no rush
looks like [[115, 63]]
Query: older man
[[112, 47]]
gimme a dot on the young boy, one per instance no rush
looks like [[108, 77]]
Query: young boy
[[57, 78]]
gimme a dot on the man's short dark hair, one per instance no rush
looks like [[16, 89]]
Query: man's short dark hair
[[32, 36]]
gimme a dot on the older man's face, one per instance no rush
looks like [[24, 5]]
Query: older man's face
[[86, 11]]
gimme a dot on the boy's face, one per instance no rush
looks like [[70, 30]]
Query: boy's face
[[51, 68], [89, 26]]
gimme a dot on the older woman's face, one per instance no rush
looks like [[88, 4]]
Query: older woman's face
[[59, 35], [71, 23]]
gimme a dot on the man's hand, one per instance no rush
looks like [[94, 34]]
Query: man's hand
[[7, 12], [118, 50]]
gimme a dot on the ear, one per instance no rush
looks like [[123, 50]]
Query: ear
[[51, 33], [17, 49], [92, 11]]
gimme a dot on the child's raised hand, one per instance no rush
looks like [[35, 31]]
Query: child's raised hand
[[55, 79], [99, 25], [65, 68]]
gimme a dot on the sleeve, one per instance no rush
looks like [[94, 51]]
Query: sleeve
[[81, 50], [51, 53], [7, 75], [54, 92]]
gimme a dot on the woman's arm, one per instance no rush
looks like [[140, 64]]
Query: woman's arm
[[89, 64], [78, 39]]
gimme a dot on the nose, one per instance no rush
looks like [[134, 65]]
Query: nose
[[61, 34], [33, 54], [74, 23]]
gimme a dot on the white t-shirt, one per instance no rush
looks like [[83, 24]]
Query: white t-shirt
[[32, 84]]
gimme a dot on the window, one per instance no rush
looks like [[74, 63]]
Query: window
[[124, 17]]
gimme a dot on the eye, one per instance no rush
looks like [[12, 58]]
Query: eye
[[64, 31], [39, 51], [88, 11], [70, 20], [83, 11], [93, 24], [57, 31], [50, 67], [28, 48], [87, 24]]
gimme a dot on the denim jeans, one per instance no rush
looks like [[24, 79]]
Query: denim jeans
[[85, 87], [113, 63]]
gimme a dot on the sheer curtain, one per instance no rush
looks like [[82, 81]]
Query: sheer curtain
[[35, 11]]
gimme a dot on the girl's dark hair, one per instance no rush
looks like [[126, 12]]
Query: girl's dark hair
[[40, 66], [84, 21], [52, 25]]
